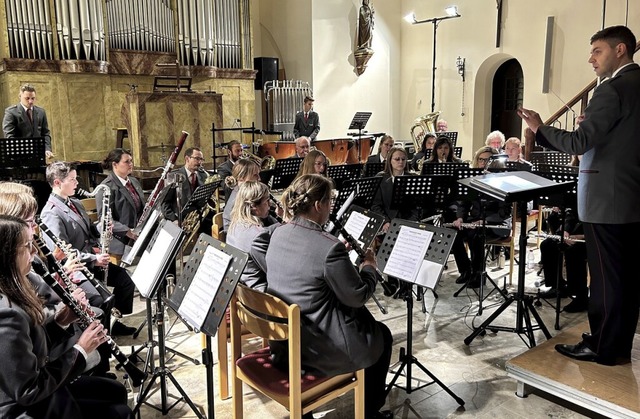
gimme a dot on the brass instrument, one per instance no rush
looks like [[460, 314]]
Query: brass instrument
[[191, 222], [86, 317], [426, 124], [265, 163]]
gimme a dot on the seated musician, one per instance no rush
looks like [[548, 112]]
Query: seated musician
[[250, 210], [386, 142], [339, 334], [495, 139], [234, 151], [303, 145], [314, 163], [32, 383], [126, 201], [192, 176], [476, 211], [428, 142], [513, 149], [574, 254], [243, 171], [396, 165], [67, 219], [443, 152]]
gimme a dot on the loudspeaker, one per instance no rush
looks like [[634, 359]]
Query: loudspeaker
[[267, 70]]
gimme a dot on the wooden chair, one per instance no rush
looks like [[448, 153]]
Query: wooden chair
[[217, 227], [89, 205], [273, 319]]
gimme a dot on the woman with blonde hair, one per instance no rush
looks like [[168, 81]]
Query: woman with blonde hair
[[314, 163], [243, 170], [249, 218]]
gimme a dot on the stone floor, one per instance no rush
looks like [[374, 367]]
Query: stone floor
[[476, 372]]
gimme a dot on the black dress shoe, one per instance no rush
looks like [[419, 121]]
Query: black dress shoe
[[462, 279], [581, 351], [119, 329], [383, 414], [474, 281], [576, 306]]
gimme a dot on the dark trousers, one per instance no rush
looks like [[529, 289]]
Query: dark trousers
[[123, 287], [375, 376], [614, 303], [100, 398], [576, 260]]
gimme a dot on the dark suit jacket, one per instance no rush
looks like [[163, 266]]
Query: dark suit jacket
[[170, 203], [374, 158], [123, 210], [609, 141], [31, 383], [309, 128], [16, 124], [339, 334], [74, 229]]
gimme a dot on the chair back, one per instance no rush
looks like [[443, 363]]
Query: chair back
[[217, 227], [90, 207]]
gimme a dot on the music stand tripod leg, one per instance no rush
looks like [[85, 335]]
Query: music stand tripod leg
[[407, 358]]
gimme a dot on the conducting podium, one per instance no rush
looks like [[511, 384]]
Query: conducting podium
[[519, 187]]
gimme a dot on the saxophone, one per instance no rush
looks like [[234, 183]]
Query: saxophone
[[191, 222]]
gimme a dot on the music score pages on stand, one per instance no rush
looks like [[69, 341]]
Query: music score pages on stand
[[407, 256], [355, 225], [198, 299]]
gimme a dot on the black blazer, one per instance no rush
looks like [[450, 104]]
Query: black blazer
[[16, 124]]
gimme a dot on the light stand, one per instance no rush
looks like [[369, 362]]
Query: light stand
[[452, 14]]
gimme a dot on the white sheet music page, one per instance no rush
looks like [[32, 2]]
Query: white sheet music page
[[147, 270], [206, 281], [408, 253], [356, 224]]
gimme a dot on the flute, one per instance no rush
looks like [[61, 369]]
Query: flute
[[555, 237], [473, 225]]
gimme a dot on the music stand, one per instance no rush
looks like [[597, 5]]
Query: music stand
[[358, 122], [285, 172], [431, 266], [447, 169], [421, 191], [200, 197], [208, 252], [343, 172], [451, 135], [372, 169], [365, 189], [519, 187]]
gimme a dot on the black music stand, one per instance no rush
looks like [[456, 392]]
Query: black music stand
[[365, 190], [217, 296], [150, 279], [556, 158], [446, 169], [200, 197], [285, 172], [426, 192], [343, 172], [372, 169], [451, 135], [519, 187], [17, 155], [358, 122], [433, 264], [457, 151]]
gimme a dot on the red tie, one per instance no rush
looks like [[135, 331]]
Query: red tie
[[73, 207], [134, 194], [194, 182], [306, 116]]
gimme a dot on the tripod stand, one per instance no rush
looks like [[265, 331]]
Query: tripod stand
[[162, 372], [407, 359]]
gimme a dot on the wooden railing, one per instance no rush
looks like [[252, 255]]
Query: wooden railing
[[582, 97]]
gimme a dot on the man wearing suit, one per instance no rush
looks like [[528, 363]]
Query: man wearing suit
[[303, 145], [27, 120], [608, 194], [191, 177], [307, 122], [234, 149], [67, 219]]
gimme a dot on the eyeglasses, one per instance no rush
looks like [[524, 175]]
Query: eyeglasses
[[483, 160], [197, 158]]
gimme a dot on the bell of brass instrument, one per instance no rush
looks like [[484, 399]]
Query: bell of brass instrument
[[265, 163], [421, 126], [191, 222]]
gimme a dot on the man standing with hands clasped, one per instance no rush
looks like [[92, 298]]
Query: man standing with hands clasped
[[27, 120], [307, 122], [608, 195]]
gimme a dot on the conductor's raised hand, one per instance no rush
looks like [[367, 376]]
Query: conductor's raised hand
[[531, 118]]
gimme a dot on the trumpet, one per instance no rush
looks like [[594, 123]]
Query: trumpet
[[86, 317]]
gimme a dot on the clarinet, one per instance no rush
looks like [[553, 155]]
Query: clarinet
[[86, 318], [105, 219], [361, 253], [277, 205], [106, 295]]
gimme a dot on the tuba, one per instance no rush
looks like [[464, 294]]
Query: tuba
[[423, 125], [265, 163]]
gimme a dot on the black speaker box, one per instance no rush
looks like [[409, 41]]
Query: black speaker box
[[267, 70]]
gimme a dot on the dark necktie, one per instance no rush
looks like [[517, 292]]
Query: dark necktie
[[134, 194], [306, 116], [73, 207], [30, 115], [194, 181]]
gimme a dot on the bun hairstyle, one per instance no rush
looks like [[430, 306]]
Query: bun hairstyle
[[114, 156], [300, 197], [243, 170]]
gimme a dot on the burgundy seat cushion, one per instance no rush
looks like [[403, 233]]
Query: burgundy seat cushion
[[258, 367]]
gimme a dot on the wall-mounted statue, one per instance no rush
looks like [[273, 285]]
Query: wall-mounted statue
[[363, 50]]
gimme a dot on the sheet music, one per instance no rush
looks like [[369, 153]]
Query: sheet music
[[356, 224], [408, 253], [428, 274], [199, 297], [509, 183], [146, 272], [132, 252]]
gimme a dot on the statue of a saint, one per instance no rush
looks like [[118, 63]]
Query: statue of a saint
[[365, 26]]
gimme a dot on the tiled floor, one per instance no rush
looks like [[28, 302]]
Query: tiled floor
[[476, 372]]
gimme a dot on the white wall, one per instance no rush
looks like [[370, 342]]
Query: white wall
[[315, 42]]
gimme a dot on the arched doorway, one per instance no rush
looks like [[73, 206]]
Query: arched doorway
[[507, 94]]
